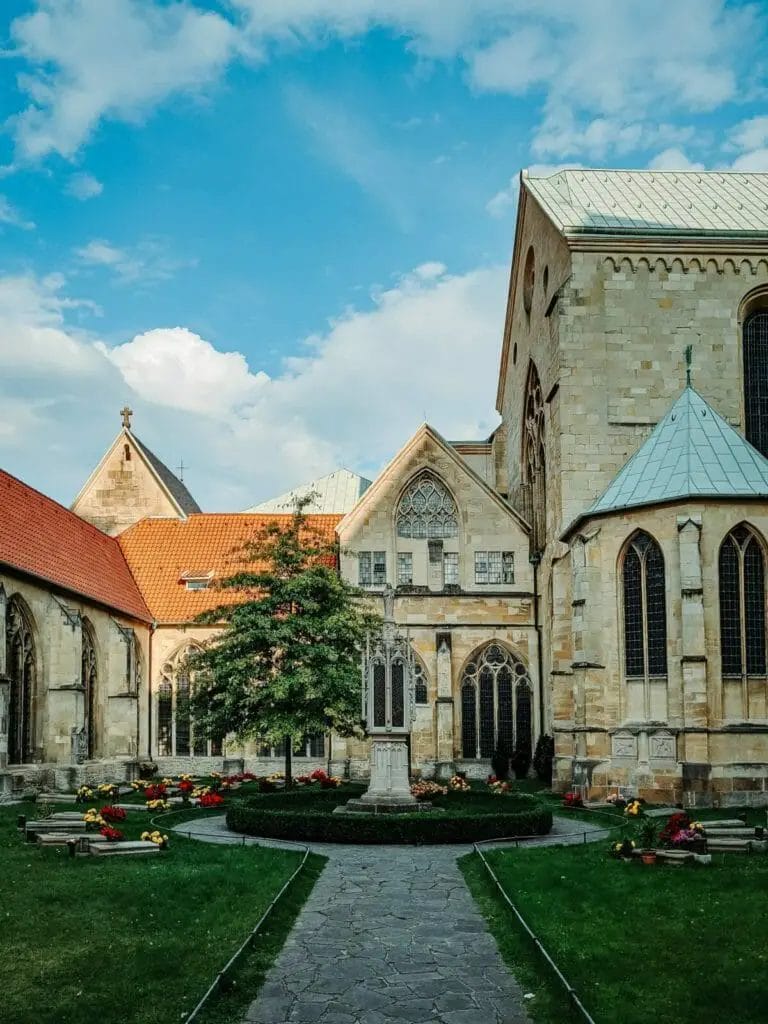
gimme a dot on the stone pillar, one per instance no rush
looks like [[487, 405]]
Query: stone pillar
[[64, 691], [5, 700], [444, 753], [588, 657], [694, 712]]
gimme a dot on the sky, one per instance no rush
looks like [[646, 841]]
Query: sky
[[281, 230]]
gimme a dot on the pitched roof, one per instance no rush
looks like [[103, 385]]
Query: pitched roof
[[175, 487], [691, 453], [41, 538], [654, 202], [337, 492], [162, 551]]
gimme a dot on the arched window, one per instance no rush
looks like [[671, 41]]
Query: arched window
[[742, 607], [420, 683], [755, 346], [89, 681], [427, 510], [645, 618], [495, 704], [21, 666], [175, 731], [534, 459]]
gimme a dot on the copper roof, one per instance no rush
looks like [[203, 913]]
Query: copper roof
[[41, 538]]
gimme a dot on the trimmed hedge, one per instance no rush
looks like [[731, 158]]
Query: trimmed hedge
[[308, 816]]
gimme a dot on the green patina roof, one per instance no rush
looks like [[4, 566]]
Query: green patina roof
[[691, 453]]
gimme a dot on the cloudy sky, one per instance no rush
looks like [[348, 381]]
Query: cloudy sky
[[280, 229]]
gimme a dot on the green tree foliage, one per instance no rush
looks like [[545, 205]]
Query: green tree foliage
[[287, 662]]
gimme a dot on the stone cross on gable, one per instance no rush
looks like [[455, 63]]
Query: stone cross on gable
[[126, 413]]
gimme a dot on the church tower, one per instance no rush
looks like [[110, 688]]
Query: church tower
[[130, 483]]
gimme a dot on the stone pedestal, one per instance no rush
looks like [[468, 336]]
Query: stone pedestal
[[389, 788]]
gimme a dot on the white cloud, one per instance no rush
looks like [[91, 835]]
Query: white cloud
[[751, 138], [176, 368], [147, 262], [756, 160], [674, 159], [10, 215], [504, 202], [347, 400], [84, 186], [91, 59]]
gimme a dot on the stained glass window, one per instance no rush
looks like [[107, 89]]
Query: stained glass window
[[495, 703], [534, 458], [21, 666], [379, 694], [742, 604], [88, 681], [420, 683], [165, 718], [398, 694], [427, 510], [177, 735]]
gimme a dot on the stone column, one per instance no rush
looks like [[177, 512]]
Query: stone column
[[694, 712], [444, 709]]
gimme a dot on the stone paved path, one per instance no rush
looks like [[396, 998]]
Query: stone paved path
[[388, 935]]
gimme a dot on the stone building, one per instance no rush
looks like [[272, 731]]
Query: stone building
[[74, 646], [594, 570]]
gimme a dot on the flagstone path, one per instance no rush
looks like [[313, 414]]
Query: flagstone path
[[389, 935]]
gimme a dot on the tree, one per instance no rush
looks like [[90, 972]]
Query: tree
[[287, 662]]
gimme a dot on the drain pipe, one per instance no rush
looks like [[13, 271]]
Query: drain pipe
[[535, 560]]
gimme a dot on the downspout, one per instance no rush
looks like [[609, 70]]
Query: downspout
[[152, 628], [535, 562]]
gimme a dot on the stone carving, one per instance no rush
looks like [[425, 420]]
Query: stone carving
[[624, 744], [79, 745], [663, 746]]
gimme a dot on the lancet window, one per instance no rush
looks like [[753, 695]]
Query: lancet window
[[427, 510], [21, 666], [755, 349], [534, 459], [742, 606], [176, 735], [496, 703], [645, 619], [89, 676]]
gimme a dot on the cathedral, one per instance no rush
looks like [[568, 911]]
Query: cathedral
[[593, 571]]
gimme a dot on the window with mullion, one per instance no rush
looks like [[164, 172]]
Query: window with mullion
[[645, 615]]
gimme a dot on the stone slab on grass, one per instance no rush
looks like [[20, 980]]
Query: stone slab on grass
[[139, 848]]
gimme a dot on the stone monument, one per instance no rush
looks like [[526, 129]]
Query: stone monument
[[388, 713]]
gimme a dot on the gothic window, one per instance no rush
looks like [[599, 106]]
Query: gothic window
[[533, 459], [495, 704], [420, 683], [21, 666], [89, 683], [427, 510], [645, 616], [742, 605], [755, 345], [176, 733]]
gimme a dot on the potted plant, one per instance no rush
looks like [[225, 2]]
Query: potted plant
[[646, 834]]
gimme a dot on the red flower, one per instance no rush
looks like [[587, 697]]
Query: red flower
[[318, 775], [156, 792], [186, 786], [112, 834], [211, 800], [572, 800], [112, 813], [677, 823]]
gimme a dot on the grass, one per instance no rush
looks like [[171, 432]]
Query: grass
[[638, 944], [124, 941]]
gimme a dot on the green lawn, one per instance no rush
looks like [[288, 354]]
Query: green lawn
[[667, 945], [133, 941]]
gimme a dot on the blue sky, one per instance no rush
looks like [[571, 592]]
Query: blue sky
[[281, 229]]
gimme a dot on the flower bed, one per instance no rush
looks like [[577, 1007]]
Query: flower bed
[[460, 817]]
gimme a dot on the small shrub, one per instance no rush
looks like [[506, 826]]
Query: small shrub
[[521, 760], [500, 763]]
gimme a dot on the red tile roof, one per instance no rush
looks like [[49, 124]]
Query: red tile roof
[[43, 539], [160, 551]]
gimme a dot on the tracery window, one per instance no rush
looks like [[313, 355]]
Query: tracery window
[[645, 615], [534, 459], [176, 734], [427, 510], [89, 682], [420, 683], [310, 745], [742, 608], [755, 347], [495, 704], [21, 666]]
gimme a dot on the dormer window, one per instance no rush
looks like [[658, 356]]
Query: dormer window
[[196, 580]]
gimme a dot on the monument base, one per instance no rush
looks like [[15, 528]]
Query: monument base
[[389, 788]]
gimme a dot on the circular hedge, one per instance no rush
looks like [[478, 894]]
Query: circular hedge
[[307, 815]]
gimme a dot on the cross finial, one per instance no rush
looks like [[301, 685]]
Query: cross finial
[[126, 413], [688, 361], [181, 467]]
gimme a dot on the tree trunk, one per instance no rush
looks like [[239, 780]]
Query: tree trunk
[[288, 756]]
